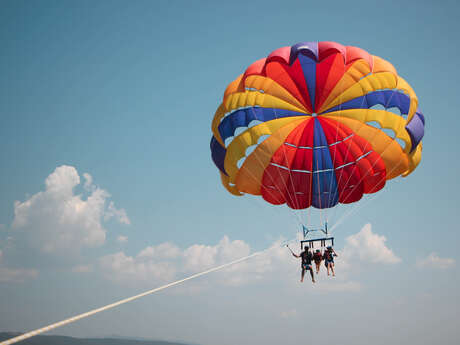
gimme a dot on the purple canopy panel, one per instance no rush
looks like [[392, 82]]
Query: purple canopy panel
[[309, 49], [416, 129], [218, 154]]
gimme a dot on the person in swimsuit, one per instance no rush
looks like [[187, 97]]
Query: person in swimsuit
[[306, 257], [317, 257], [329, 260]]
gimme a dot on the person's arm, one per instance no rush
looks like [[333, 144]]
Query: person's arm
[[295, 255], [335, 254]]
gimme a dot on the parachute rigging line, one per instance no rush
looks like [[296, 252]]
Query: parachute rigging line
[[290, 174], [356, 208], [299, 220], [347, 150]]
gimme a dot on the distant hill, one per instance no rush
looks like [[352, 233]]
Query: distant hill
[[61, 340]]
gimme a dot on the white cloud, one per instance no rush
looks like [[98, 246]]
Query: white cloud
[[57, 220], [368, 247], [122, 239], [162, 251], [200, 257], [166, 262], [434, 261], [132, 270], [15, 275], [88, 185], [119, 214]]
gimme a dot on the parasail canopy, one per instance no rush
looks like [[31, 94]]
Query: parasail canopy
[[316, 124]]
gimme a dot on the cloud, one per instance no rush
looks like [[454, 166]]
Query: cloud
[[88, 185], [200, 257], [57, 220], [434, 261], [166, 262], [119, 214], [127, 269], [15, 275], [368, 247], [162, 251]]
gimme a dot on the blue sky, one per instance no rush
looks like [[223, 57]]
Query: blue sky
[[125, 92]]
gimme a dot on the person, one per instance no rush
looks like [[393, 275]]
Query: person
[[317, 257], [329, 260], [306, 263]]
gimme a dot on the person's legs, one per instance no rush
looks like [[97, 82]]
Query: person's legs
[[328, 265], [311, 273], [332, 269], [303, 273], [317, 267]]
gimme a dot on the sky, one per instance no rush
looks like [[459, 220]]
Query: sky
[[107, 187]]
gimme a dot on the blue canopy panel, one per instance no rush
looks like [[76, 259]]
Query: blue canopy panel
[[309, 72], [324, 191], [242, 118], [218, 154], [387, 98], [416, 129]]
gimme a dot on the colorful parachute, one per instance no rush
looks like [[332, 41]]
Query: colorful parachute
[[309, 126]]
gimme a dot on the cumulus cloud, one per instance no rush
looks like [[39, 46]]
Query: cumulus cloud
[[434, 261], [127, 269], [200, 257], [58, 220], [15, 275], [88, 185], [119, 214], [166, 262], [162, 251], [368, 247]]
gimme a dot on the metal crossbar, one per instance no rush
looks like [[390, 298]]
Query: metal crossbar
[[323, 242]]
